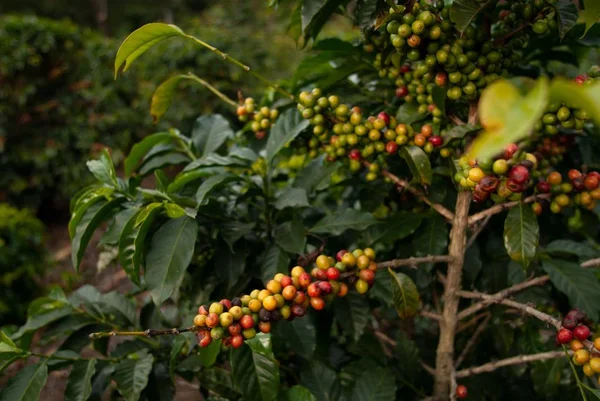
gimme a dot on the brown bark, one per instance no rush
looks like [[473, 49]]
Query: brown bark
[[444, 366]]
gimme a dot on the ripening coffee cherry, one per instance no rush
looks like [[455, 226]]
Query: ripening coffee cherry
[[200, 320], [333, 273], [581, 332], [576, 345], [304, 280], [543, 187], [367, 275], [246, 322], [564, 336], [205, 340], [313, 290], [317, 303], [461, 391], [436, 140], [554, 178], [401, 91], [325, 287], [289, 292], [237, 341], [519, 174], [391, 147], [203, 310], [274, 286], [595, 364], [581, 356], [500, 167], [323, 262], [212, 320], [298, 311], [349, 259], [249, 333], [216, 308], [361, 286], [569, 322]]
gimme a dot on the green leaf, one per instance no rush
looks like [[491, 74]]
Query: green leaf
[[463, 12], [163, 96], [315, 13], [162, 160], [578, 283], [101, 380], [521, 234], [230, 265], [142, 39], [406, 351], [290, 236], [352, 313], [507, 116], [300, 335], [218, 381], [131, 375], [103, 169], [364, 16], [399, 226], [79, 386], [460, 131], [589, 15], [26, 385], [85, 201], [235, 230], [112, 235], [315, 174], [133, 238], [208, 355], [37, 321], [262, 344], [349, 219], [406, 296], [287, 127], [7, 346], [582, 250], [408, 113], [160, 385], [310, 8], [139, 150], [256, 374], [439, 98], [212, 183], [170, 253], [174, 211], [546, 376], [274, 261], [567, 16], [209, 133], [595, 392], [585, 97], [94, 216], [296, 393], [291, 197], [322, 381], [375, 385], [431, 239], [419, 164]]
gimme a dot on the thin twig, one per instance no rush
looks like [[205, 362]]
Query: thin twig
[[385, 338], [477, 231], [472, 322], [472, 340], [146, 333], [499, 296], [428, 368], [412, 262], [591, 263], [515, 360], [455, 119], [504, 206], [431, 315], [214, 90]]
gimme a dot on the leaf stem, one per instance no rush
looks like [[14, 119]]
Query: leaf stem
[[579, 384], [145, 333], [214, 90], [242, 66], [185, 147]]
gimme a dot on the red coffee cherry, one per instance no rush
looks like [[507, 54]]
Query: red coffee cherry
[[510, 150], [333, 273], [436, 140], [340, 254], [384, 116], [519, 174], [581, 332], [354, 154], [401, 91], [489, 183], [543, 187], [461, 391], [569, 322], [564, 336], [391, 147]]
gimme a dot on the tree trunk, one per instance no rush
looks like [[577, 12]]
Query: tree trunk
[[445, 350]]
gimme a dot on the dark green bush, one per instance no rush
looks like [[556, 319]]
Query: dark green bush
[[22, 259]]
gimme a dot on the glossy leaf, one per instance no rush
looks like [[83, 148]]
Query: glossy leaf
[[174, 211], [275, 260], [212, 183], [160, 385], [590, 15], [408, 114], [322, 381], [163, 96], [463, 12], [406, 351], [26, 385], [585, 97], [431, 239], [375, 385], [291, 197], [112, 235], [219, 381], [93, 217], [521, 234], [208, 355], [315, 174], [506, 116], [364, 14], [287, 127], [419, 164], [7, 346], [578, 283], [162, 160], [79, 386], [142, 39], [230, 265], [566, 11], [209, 133], [349, 219], [582, 250], [85, 201], [131, 375], [256, 374], [300, 335], [352, 313], [396, 227], [103, 169], [141, 148], [406, 295], [170, 253], [290, 236]]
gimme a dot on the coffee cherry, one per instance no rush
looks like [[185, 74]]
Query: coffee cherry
[[237, 341], [289, 292], [576, 345], [325, 287], [264, 327], [254, 305], [591, 182], [205, 340], [543, 187], [249, 333], [564, 336], [298, 311], [569, 322], [554, 178], [216, 308], [269, 303], [581, 332], [587, 370], [274, 287], [323, 262], [436, 141], [304, 280], [349, 259], [595, 364], [226, 319], [317, 303], [203, 310], [313, 290], [391, 147], [361, 286], [461, 391], [519, 174], [401, 91], [367, 275], [212, 320], [333, 273], [581, 356]]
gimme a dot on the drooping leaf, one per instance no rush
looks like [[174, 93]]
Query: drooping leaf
[[287, 127], [507, 116], [79, 386], [322, 381], [406, 351], [163, 96], [101, 380], [209, 133], [352, 313], [300, 335], [131, 375], [463, 12], [378, 384], [290, 236], [578, 283], [406, 295], [142, 39], [585, 97], [364, 15], [141, 148], [521, 234], [292, 197], [26, 385], [170, 253], [296, 393], [275, 260], [211, 183], [314, 174], [590, 15], [419, 164], [315, 13], [103, 169], [93, 217], [209, 355], [431, 239], [84, 202], [349, 219], [174, 211], [566, 10], [255, 373], [133, 238], [593, 391], [582, 250]]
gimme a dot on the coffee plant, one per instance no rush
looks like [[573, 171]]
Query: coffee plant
[[413, 215]]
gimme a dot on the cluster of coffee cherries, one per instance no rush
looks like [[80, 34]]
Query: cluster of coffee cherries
[[504, 178], [261, 118], [345, 134], [285, 297], [580, 189], [574, 333], [517, 12]]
